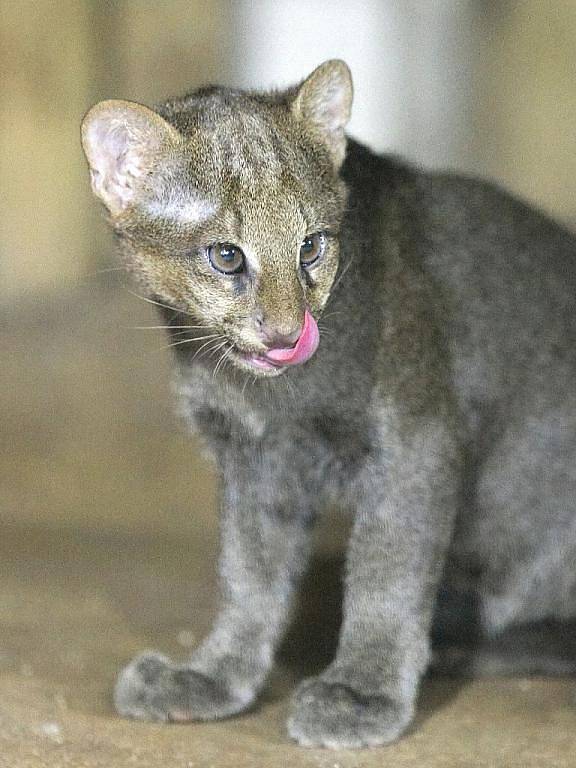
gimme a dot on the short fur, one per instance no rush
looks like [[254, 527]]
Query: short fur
[[440, 407]]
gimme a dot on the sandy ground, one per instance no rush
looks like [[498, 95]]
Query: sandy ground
[[107, 547]]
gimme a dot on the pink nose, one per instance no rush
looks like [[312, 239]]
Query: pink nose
[[305, 346], [276, 337]]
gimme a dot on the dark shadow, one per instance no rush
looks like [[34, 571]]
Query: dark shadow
[[312, 638], [460, 650], [311, 641]]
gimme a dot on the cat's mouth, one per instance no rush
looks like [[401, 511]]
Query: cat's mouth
[[275, 360], [259, 362]]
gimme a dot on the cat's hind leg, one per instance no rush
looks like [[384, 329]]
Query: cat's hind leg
[[520, 535], [522, 532], [541, 648]]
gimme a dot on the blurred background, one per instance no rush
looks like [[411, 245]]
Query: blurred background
[[482, 86], [479, 86], [107, 508]]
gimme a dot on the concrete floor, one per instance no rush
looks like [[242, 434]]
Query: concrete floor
[[107, 546]]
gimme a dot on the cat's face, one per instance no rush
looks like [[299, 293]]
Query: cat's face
[[228, 208]]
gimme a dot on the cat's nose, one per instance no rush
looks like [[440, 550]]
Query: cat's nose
[[278, 335]]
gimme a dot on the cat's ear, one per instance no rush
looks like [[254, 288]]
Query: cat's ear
[[324, 102], [122, 141]]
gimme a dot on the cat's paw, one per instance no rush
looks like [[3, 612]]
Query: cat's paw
[[152, 688], [328, 714]]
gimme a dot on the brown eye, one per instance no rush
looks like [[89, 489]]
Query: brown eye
[[312, 248], [226, 258]]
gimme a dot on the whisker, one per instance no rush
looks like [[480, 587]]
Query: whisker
[[219, 347], [165, 327], [189, 341], [339, 280], [159, 304], [206, 344], [210, 349], [182, 333], [227, 359], [251, 379], [221, 360]]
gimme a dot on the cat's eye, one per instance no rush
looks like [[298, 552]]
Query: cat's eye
[[226, 258], [312, 248]]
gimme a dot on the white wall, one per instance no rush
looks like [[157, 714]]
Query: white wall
[[410, 60]]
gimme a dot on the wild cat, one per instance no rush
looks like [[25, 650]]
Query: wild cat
[[436, 403]]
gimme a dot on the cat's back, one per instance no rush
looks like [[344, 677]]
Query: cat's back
[[496, 278], [505, 275], [484, 241]]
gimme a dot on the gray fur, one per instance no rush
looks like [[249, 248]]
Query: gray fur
[[439, 409]]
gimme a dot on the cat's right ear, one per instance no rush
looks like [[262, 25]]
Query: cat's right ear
[[324, 102], [122, 140]]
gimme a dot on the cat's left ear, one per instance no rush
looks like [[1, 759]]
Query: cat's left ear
[[324, 103]]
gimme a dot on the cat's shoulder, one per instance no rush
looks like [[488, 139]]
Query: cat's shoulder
[[450, 205]]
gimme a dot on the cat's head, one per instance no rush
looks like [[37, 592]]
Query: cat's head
[[228, 206]]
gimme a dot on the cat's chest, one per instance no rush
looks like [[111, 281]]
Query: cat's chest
[[290, 417], [334, 437]]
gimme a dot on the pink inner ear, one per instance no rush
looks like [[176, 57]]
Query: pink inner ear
[[333, 108], [116, 160]]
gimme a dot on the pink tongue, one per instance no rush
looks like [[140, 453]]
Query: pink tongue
[[305, 346]]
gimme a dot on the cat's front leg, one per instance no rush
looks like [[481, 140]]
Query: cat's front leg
[[265, 529], [405, 505]]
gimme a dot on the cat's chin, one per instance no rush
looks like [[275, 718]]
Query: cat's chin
[[256, 365]]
